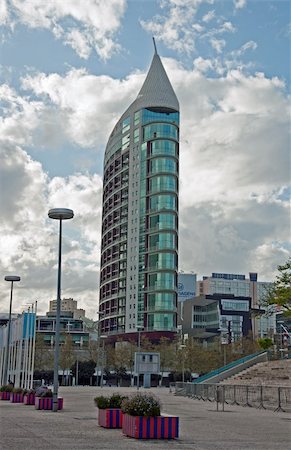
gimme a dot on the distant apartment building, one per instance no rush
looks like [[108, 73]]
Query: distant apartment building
[[67, 305], [75, 328]]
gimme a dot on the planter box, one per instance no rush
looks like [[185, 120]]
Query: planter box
[[110, 417], [5, 395], [160, 427], [47, 403], [29, 399], [16, 398]]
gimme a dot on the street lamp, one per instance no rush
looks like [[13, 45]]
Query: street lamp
[[182, 346], [12, 279], [103, 359], [58, 214], [139, 329]]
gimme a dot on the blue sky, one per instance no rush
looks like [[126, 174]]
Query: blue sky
[[70, 69]]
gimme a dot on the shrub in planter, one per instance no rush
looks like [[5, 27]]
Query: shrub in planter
[[109, 410], [142, 405], [16, 395], [5, 391], [44, 399], [142, 419], [29, 397]]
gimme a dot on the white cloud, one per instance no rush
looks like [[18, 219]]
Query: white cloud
[[175, 27], [83, 24], [4, 15], [209, 16], [89, 104], [239, 4], [218, 44]]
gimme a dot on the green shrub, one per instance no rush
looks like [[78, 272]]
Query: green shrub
[[102, 402], [142, 405], [6, 388], [17, 390], [114, 401], [265, 343]]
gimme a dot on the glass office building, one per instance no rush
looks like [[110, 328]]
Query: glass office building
[[139, 248]]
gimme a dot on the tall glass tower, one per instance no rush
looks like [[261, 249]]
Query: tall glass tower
[[139, 249]]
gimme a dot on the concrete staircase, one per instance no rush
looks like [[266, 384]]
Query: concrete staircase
[[270, 373]]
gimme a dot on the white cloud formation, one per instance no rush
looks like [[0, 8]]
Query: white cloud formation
[[85, 25], [209, 16], [89, 104], [176, 27], [239, 4], [234, 129], [218, 44]]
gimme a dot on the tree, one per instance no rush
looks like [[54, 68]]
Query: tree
[[280, 292], [86, 371], [67, 355], [44, 356], [166, 348], [265, 343]]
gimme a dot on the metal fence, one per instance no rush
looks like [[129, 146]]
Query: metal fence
[[276, 398]]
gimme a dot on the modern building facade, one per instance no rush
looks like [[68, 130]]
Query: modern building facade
[[224, 315], [139, 248], [236, 284]]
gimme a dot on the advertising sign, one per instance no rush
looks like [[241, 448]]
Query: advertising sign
[[186, 286]]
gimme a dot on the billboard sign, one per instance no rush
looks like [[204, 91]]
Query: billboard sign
[[186, 286]]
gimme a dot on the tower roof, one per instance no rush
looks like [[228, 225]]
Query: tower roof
[[156, 90]]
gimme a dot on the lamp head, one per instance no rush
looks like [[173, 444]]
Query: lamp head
[[12, 278], [61, 213]]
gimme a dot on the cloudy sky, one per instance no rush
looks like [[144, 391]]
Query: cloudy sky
[[69, 69]]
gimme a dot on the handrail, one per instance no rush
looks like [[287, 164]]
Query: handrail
[[228, 366]]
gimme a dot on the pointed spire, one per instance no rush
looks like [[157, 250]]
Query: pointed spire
[[155, 46], [156, 90]]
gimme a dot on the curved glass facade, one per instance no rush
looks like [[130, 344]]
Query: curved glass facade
[[139, 247]]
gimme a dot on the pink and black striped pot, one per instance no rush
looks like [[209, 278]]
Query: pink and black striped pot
[[110, 417], [16, 397], [29, 399], [159, 427], [47, 403], [5, 395]]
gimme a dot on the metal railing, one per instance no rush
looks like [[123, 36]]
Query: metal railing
[[231, 365], [276, 398]]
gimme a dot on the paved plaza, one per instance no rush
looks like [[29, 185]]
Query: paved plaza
[[201, 426]]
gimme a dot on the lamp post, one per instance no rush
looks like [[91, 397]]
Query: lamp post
[[12, 279], [103, 359], [58, 214], [182, 346], [139, 329], [100, 314]]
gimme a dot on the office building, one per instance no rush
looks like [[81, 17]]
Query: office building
[[139, 248], [239, 285], [224, 315]]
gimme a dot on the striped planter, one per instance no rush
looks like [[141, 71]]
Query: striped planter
[[16, 397], [47, 403], [5, 395], [29, 399], [110, 418], [159, 427]]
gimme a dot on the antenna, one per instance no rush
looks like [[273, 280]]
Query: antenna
[[155, 46]]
